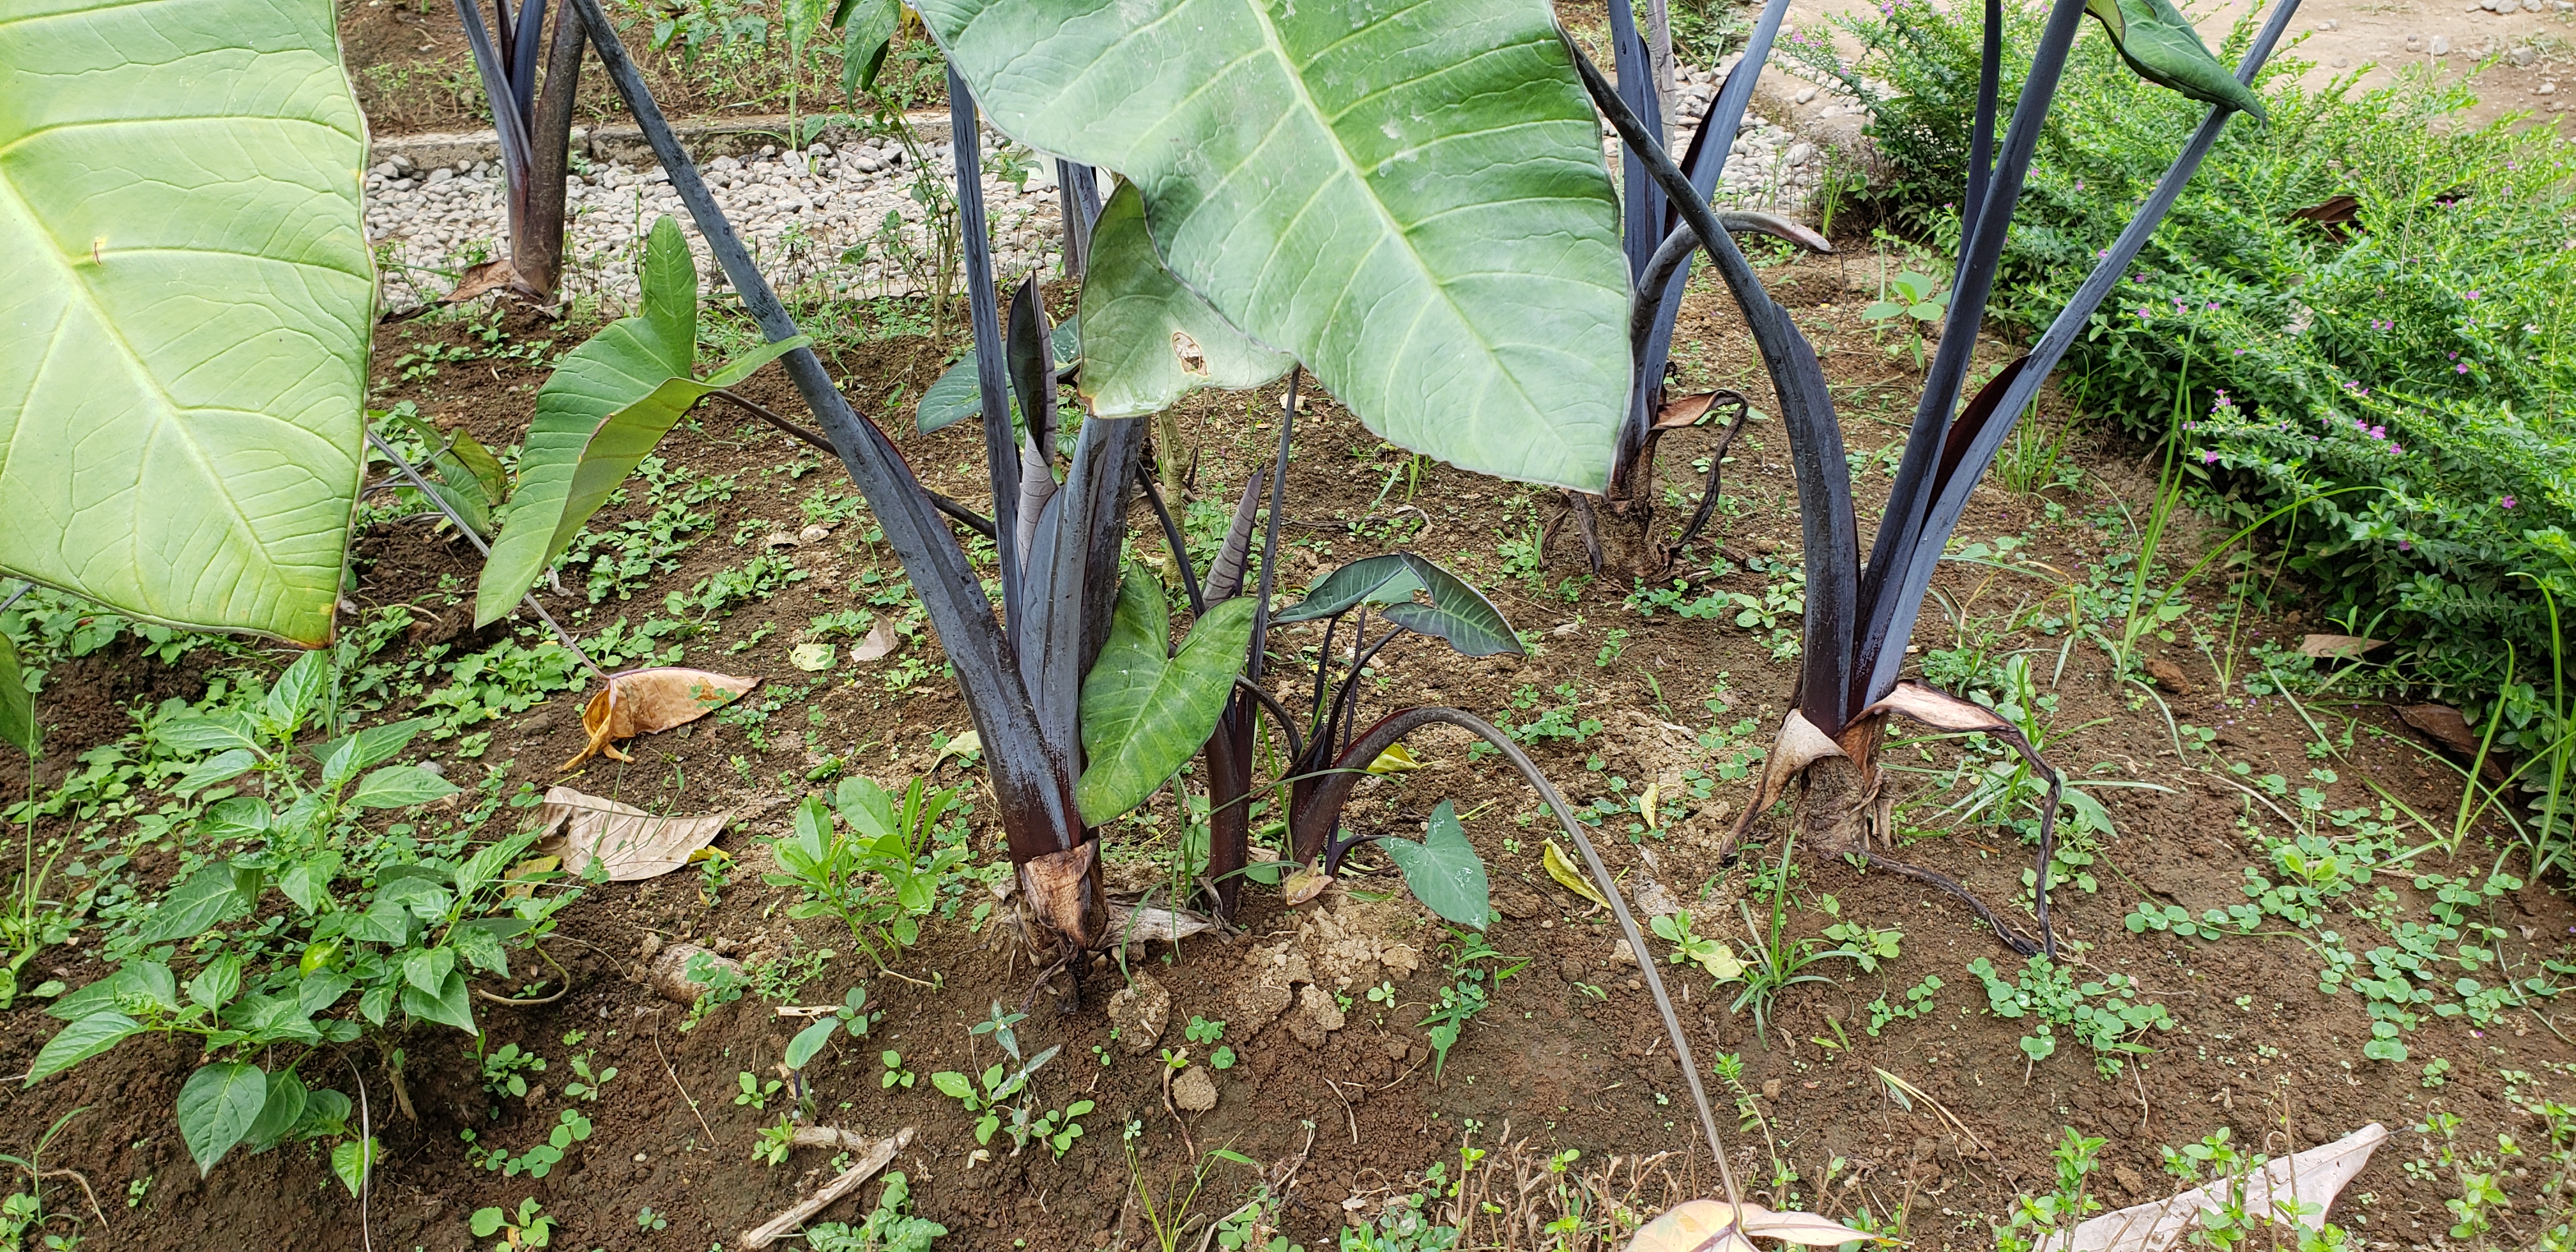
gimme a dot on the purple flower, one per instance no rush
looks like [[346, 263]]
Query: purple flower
[[2507, 502], [2397, 449], [2405, 545], [2379, 432], [2461, 368], [2473, 295], [2207, 458]]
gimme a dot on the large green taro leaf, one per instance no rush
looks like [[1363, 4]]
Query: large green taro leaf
[[185, 307], [1147, 340], [1408, 195]]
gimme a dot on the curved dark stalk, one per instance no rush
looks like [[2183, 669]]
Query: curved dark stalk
[[1903, 522], [1716, 464], [1345, 708], [973, 521], [1279, 715], [1586, 526], [439, 502], [1033, 786], [1946, 883], [1172, 536], [1832, 534], [1322, 816], [1645, 307], [1270, 528]]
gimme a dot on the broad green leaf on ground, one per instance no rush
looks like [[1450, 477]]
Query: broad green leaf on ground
[[17, 704], [2159, 43], [400, 786], [600, 414], [186, 303], [955, 395], [217, 1107], [1150, 340], [1145, 711], [1409, 195], [1443, 871]]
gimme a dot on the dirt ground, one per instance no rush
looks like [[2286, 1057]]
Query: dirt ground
[[1340, 1109]]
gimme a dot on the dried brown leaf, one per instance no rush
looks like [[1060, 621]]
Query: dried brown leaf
[[879, 644], [631, 843], [488, 277], [2443, 724], [2338, 647], [1716, 1226], [642, 701], [2310, 1179]]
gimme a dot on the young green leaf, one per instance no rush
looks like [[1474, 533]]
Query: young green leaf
[[955, 396], [447, 1005], [84, 1038], [1443, 871], [1145, 711], [350, 1162], [811, 1041], [600, 414], [1151, 341], [217, 1107], [400, 786], [868, 28], [279, 1114], [206, 897]]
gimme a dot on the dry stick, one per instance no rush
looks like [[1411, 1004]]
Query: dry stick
[[785, 1223], [366, 1155], [675, 1079], [974, 521], [438, 501]]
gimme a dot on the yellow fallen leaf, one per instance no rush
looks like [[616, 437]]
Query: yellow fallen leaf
[[1305, 883], [1652, 805], [1397, 759], [1721, 963], [526, 870], [1569, 876]]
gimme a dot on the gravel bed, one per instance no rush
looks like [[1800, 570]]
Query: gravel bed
[[845, 219]]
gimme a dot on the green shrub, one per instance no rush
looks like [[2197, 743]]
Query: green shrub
[[2405, 383]]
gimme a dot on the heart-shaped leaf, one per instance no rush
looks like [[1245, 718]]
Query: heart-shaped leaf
[[600, 414], [217, 1107], [1145, 711], [1150, 340], [186, 304], [1453, 610], [1443, 871], [1409, 195]]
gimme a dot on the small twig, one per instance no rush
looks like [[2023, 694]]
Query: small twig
[[778, 1227], [1346, 1108], [675, 1082], [366, 1155], [439, 502]]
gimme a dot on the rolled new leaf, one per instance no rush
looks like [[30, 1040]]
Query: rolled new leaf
[[1408, 195], [1145, 709], [600, 414], [2159, 43], [186, 303], [1152, 341]]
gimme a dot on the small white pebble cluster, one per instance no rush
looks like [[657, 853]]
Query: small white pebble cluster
[[846, 217]]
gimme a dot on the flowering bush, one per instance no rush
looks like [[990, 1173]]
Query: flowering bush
[[2406, 377]]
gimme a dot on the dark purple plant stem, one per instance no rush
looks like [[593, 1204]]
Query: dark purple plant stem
[[1032, 786]]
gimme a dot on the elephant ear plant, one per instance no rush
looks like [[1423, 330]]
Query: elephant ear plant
[[1859, 616]]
